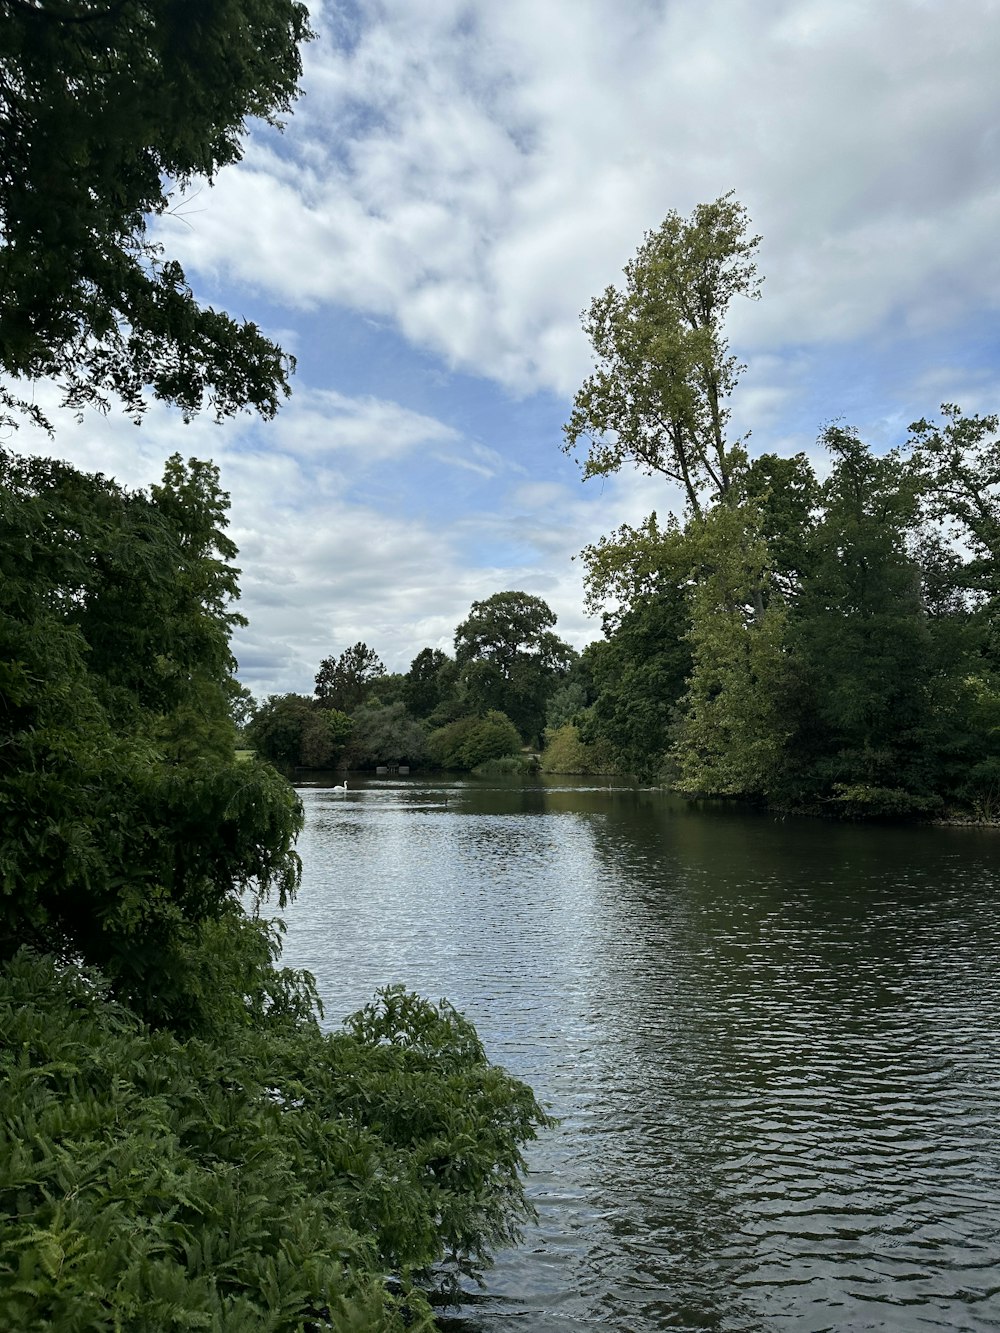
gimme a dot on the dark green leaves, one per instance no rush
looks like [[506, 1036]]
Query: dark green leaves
[[127, 822], [105, 111]]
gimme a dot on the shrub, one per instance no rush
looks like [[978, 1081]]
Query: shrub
[[386, 734], [473, 740], [257, 1180]]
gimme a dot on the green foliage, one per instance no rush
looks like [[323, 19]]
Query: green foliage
[[277, 727], [785, 496], [640, 669], [388, 689], [640, 674], [105, 110], [127, 821], [430, 682], [959, 463], [266, 1177], [346, 681], [731, 739], [509, 658], [658, 397], [566, 752], [386, 735], [863, 713], [565, 703], [471, 741], [829, 647], [292, 730]]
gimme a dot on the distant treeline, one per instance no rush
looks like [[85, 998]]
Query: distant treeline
[[486, 704], [823, 645]]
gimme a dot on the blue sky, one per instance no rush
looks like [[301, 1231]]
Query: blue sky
[[457, 183]]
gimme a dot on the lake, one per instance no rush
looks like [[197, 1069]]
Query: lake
[[774, 1045]]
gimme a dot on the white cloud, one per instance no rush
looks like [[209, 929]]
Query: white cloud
[[322, 567], [477, 172], [470, 174]]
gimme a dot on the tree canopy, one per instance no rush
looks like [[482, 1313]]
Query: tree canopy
[[509, 657], [825, 645], [109, 110], [658, 397], [344, 682], [128, 824]]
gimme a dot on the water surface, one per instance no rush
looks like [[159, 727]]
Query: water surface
[[774, 1045]]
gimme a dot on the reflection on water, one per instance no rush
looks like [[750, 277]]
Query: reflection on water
[[774, 1046]]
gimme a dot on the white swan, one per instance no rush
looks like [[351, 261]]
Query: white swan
[[342, 787]]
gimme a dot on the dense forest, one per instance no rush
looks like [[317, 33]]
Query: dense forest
[[183, 1143]]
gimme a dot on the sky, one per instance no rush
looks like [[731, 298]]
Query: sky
[[457, 183]]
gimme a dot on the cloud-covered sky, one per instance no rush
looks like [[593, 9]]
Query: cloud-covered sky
[[457, 183]]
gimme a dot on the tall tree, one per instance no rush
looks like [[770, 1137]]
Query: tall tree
[[510, 659], [344, 682], [430, 681], [864, 720], [959, 462], [108, 109], [731, 739], [659, 395]]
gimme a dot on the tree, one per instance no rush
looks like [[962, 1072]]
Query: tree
[[386, 734], [639, 674], [430, 681], [658, 396], [108, 109], [785, 496], [344, 682], [510, 659], [128, 823], [863, 717], [959, 463], [471, 741], [566, 752], [732, 731], [641, 580], [292, 730]]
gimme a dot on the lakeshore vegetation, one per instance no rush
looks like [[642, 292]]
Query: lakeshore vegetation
[[182, 1143], [818, 635]]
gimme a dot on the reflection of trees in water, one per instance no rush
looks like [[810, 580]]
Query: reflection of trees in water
[[785, 1002], [773, 1044]]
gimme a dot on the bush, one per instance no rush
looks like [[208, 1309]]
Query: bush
[[254, 1180], [564, 751], [292, 729], [473, 740], [567, 752], [386, 735]]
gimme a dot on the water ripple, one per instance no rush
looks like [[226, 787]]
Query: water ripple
[[774, 1047]]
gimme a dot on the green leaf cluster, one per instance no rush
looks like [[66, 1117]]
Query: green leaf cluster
[[473, 740], [127, 821], [262, 1177], [107, 111]]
